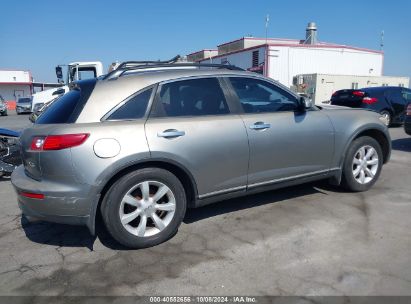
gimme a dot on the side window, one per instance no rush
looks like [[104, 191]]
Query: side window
[[258, 96], [194, 97], [396, 96], [133, 108], [406, 94]]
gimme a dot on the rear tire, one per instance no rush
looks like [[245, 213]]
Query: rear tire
[[387, 118], [362, 164], [155, 201]]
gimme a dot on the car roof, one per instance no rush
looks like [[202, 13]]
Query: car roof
[[380, 88], [111, 91]]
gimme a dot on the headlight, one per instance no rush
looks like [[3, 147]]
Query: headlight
[[38, 106]]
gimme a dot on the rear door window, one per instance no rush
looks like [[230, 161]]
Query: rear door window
[[193, 97], [396, 96], [406, 94], [68, 107], [133, 108]]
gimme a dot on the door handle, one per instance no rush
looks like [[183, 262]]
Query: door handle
[[259, 125], [171, 133]]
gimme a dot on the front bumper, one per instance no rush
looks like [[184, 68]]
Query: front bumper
[[23, 110], [72, 204]]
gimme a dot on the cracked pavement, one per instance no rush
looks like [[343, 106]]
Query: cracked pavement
[[306, 240]]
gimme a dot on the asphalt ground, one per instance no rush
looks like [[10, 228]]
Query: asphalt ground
[[306, 240]]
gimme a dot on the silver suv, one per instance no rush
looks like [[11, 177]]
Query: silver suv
[[143, 145]]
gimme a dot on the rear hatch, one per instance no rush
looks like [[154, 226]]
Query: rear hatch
[[348, 98], [52, 121]]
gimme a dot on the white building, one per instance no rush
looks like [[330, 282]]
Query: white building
[[320, 87], [15, 84], [284, 59]]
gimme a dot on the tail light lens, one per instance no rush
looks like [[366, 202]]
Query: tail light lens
[[58, 142], [409, 110], [358, 93], [369, 100], [32, 195], [334, 94]]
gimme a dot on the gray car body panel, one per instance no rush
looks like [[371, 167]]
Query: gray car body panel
[[221, 155]]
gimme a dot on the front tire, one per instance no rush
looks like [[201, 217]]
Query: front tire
[[144, 208], [362, 164]]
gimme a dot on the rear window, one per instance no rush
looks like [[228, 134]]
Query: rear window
[[68, 107]]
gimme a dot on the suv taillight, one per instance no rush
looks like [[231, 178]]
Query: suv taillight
[[409, 110], [57, 142], [358, 93], [369, 100]]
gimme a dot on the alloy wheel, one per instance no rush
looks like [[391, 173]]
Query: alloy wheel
[[365, 164], [147, 208]]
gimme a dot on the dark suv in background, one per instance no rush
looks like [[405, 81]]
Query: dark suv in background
[[407, 121], [390, 102]]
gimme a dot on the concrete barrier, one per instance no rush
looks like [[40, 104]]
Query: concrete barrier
[[11, 104]]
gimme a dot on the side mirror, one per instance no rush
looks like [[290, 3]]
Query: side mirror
[[59, 72], [305, 103], [32, 118], [59, 92]]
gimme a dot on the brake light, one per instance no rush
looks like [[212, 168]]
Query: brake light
[[409, 110], [37, 143], [334, 94], [32, 195], [58, 142], [369, 100], [358, 93]]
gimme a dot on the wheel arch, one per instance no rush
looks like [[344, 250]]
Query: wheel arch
[[374, 132], [184, 176]]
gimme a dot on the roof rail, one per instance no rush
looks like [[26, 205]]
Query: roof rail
[[172, 63]]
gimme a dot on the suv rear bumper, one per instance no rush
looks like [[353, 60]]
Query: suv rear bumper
[[62, 203]]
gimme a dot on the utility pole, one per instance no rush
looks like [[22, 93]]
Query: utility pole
[[267, 20]]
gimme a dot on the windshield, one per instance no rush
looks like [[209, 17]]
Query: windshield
[[24, 100], [76, 72]]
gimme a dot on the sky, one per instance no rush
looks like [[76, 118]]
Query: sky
[[38, 35]]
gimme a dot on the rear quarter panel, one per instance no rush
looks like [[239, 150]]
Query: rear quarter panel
[[95, 170]]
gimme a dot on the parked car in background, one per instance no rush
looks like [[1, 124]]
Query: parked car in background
[[9, 151], [23, 105], [407, 121], [3, 106], [141, 148], [390, 102]]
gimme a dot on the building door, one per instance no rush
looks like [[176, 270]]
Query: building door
[[328, 91]]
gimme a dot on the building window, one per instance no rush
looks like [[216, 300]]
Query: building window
[[255, 58], [385, 84], [354, 85], [401, 85]]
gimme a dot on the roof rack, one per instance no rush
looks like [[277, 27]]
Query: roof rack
[[172, 63]]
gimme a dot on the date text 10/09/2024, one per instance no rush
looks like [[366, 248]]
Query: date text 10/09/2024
[[203, 299]]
